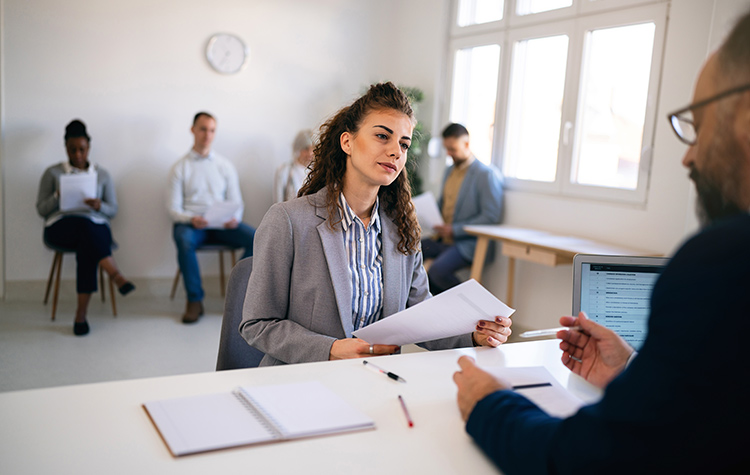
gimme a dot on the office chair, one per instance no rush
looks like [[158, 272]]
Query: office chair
[[234, 352]]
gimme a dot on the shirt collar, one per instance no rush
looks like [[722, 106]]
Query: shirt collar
[[197, 156], [348, 215]]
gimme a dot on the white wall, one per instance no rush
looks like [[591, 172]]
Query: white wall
[[135, 72]]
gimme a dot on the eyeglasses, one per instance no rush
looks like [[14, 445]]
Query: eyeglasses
[[682, 120]]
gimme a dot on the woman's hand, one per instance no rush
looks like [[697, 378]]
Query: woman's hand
[[492, 333], [94, 203], [348, 348]]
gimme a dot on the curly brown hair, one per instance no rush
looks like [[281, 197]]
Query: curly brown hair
[[329, 163]]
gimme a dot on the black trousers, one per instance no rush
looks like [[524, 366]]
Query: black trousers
[[91, 242]]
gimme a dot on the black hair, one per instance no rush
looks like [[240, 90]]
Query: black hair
[[455, 131], [201, 113], [76, 129]]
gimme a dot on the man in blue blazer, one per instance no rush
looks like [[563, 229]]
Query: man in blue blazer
[[472, 194], [681, 404]]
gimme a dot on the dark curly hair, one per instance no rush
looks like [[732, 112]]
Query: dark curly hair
[[329, 163]]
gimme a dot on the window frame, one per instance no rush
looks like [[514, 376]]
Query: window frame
[[575, 21]]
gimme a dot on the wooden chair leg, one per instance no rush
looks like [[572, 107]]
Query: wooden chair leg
[[112, 295], [234, 258], [174, 284], [221, 271], [51, 276], [101, 282], [57, 286]]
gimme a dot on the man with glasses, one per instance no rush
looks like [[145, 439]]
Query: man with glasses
[[681, 404]]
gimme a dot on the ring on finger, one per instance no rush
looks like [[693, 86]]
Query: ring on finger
[[372, 350]]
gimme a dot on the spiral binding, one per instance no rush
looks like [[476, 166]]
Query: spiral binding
[[266, 420]]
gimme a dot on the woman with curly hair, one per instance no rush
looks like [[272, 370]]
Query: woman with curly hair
[[345, 253]]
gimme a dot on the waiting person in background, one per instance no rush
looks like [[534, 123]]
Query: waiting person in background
[[346, 253], [86, 229], [198, 180], [291, 175], [472, 194], [681, 404]]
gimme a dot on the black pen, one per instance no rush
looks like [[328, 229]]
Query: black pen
[[529, 386], [393, 376]]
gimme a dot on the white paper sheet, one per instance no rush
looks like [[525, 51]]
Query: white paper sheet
[[220, 212], [554, 399], [428, 213], [75, 188], [453, 312]]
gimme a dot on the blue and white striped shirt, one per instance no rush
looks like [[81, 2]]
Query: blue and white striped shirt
[[364, 250]]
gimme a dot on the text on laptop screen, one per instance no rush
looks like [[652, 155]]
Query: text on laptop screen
[[618, 296]]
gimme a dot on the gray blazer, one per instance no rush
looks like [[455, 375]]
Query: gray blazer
[[298, 299], [479, 201]]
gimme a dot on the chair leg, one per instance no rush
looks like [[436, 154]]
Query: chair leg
[[234, 258], [112, 295], [101, 282], [57, 286], [51, 275], [174, 284], [221, 272]]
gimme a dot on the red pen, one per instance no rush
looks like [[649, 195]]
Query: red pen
[[406, 411]]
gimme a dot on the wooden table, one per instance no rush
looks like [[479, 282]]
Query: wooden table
[[536, 246]]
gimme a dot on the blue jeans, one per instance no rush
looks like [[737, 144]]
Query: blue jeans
[[188, 239], [447, 261]]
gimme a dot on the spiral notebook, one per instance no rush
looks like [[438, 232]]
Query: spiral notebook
[[253, 415]]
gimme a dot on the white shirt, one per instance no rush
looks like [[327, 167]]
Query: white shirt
[[197, 182], [289, 179]]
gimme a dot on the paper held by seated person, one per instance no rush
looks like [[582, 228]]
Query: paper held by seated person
[[428, 213], [220, 213], [453, 312], [75, 188]]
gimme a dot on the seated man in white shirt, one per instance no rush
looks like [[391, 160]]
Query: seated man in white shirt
[[196, 182]]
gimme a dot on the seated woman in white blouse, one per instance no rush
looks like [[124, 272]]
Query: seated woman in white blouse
[[346, 253], [84, 230]]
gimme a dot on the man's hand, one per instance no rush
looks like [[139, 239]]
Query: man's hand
[[198, 222], [474, 384], [489, 333], [231, 224], [444, 231], [348, 348], [595, 352]]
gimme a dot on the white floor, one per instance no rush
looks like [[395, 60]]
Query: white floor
[[146, 339]]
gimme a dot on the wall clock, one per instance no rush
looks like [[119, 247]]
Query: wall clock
[[226, 53]]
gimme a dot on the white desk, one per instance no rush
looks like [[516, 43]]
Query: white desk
[[101, 428]]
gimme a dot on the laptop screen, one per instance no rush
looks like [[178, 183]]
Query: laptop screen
[[615, 291]]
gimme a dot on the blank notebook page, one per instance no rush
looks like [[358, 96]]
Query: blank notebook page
[[304, 409]]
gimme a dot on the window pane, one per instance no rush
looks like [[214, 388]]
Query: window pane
[[473, 12], [474, 94], [535, 108], [529, 7], [614, 90]]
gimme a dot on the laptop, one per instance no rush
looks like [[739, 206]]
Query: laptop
[[615, 291]]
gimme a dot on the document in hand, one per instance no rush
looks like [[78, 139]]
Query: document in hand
[[539, 386], [252, 415], [428, 213], [453, 312], [220, 212], [76, 187]]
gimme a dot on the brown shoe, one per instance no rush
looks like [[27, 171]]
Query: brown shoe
[[193, 311]]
